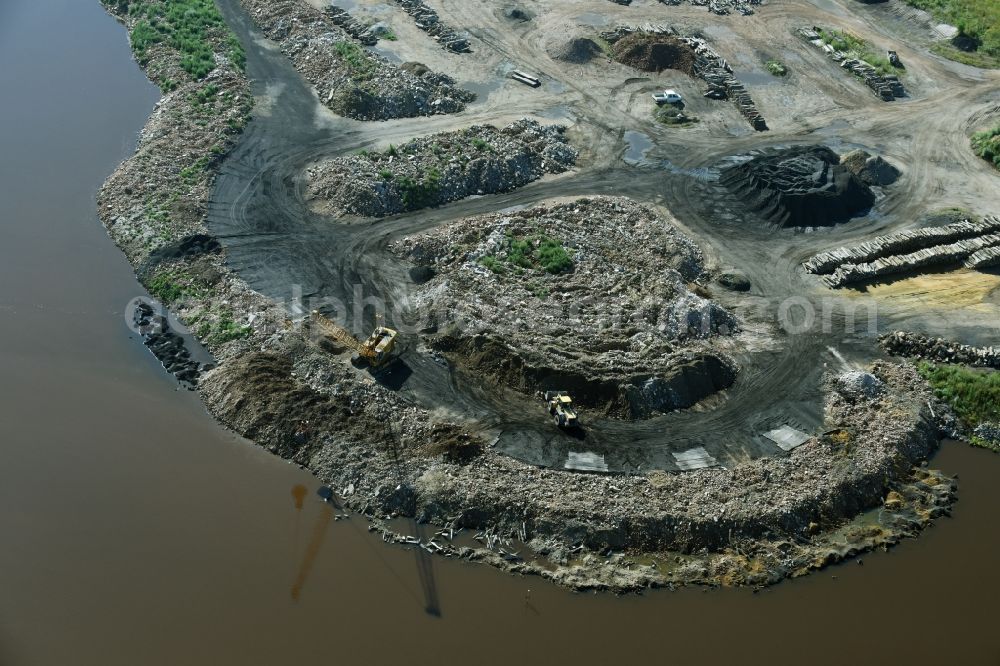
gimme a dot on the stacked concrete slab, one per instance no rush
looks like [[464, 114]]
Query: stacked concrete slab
[[720, 7], [901, 343], [428, 20], [974, 244], [351, 26], [886, 86]]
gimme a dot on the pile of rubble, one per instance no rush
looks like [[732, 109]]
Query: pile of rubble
[[871, 169], [886, 86], [988, 433], [655, 47], [428, 20], [433, 170], [801, 186], [977, 244], [720, 7], [591, 296], [351, 81], [939, 350]]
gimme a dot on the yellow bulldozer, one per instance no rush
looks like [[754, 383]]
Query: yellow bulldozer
[[376, 351], [561, 409]]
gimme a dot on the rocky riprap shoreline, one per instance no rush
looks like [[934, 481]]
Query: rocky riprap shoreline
[[167, 345], [350, 80], [433, 170], [594, 296]]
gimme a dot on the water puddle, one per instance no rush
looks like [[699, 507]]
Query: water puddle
[[638, 145]]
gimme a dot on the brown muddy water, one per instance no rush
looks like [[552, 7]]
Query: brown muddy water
[[135, 531]]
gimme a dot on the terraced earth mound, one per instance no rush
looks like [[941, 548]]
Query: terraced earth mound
[[595, 297], [433, 170], [801, 186]]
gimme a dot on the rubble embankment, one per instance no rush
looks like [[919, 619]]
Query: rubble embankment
[[754, 524], [939, 350], [595, 296], [436, 169], [350, 80]]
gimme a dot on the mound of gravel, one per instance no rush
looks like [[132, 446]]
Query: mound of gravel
[[858, 385], [577, 51], [433, 170], [654, 53], [617, 324], [802, 186]]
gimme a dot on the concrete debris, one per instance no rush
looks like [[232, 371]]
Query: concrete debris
[[939, 350], [720, 7], [428, 20], [352, 26], [634, 339], [976, 244], [886, 87], [988, 432], [350, 80], [433, 170]]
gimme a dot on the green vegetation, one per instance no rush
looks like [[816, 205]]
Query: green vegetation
[[533, 253], [220, 329], [481, 145], [389, 35], [357, 60], [420, 193], [855, 47], [184, 25], [173, 284], [776, 67], [973, 394], [671, 115], [978, 23], [986, 144]]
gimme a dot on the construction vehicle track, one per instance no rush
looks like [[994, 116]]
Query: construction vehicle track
[[260, 215]]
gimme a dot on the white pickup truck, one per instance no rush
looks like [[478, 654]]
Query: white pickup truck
[[667, 97]]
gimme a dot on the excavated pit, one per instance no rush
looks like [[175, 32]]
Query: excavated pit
[[802, 186]]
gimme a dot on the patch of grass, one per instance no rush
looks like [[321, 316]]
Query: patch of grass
[[357, 60], [184, 25], [986, 144], [173, 285], [538, 252], [855, 47], [776, 67], [389, 35], [971, 58], [973, 394], [671, 115], [222, 330], [553, 256], [493, 264], [481, 145], [978, 23]]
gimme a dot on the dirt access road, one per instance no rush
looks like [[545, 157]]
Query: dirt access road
[[283, 250]]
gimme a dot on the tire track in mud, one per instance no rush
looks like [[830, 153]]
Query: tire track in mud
[[274, 241]]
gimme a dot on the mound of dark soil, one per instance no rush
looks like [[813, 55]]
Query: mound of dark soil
[[654, 53], [578, 51], [804, 186]]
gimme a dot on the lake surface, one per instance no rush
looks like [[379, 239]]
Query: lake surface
[[136, 531]]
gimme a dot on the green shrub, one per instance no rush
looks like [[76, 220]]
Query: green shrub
[[973, 394], [986, 144], [777, 68], [978, 22], [855, 47]]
